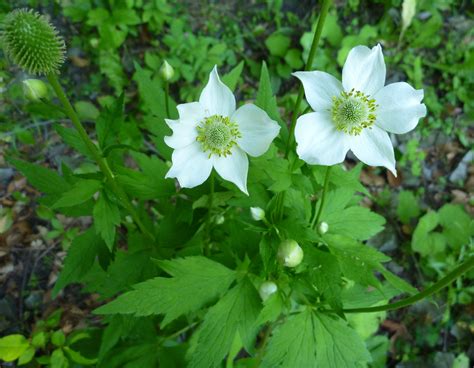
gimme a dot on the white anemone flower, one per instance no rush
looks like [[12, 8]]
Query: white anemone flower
[[211, 133], [357, 113]]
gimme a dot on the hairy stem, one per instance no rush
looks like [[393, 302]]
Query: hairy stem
[[445, 281], [309, 64], [323, 198], [209, 214], [167, 91], [96, 155]]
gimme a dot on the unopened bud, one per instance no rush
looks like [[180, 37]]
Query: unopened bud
[[34, 89], [323, 227], [166, 71], [257, 213], [267, 289], [290, 253], [219, 220]]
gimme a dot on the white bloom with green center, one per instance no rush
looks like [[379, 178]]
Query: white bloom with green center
[[211, 134], [357, 113]]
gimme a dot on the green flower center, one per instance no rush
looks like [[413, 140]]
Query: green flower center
[[353, 111], [217, 135]]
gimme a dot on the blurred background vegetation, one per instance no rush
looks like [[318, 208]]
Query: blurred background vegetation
[[112, 45]]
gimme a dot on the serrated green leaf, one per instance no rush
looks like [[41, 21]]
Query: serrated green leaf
[[82, 191], [109, 122], [232, 78], [338, 345], [72, 138], [195, 282], [106, 216], [79, 259], [324, 270], [355, 222], [357, 261], [267, 101], [235, 313], [293, 344], [43, 179]]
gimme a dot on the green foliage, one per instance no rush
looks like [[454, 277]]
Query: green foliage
[[195, 282], [310, 337]]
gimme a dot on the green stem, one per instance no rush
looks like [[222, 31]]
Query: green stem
[[445, 281], [308, 66], [209, 213], [323, 198], [96, 155], [167, 91]]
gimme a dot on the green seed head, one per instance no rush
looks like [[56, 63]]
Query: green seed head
[[353, 111], [32, 42], [217, 135]]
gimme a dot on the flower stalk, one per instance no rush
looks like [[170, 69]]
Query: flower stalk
[[309, 64], [317, 215], [100, 160], [445, 281]]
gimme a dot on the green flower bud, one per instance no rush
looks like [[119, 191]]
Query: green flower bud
[[166, 71], [257, 213], [32, 42], [34, 89], [323, 227], [267, 289], [290, 253]]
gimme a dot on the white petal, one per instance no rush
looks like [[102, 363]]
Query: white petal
[[184, 129], [319, 88], [191, 166], [256, 128], [400, 107], [373, 147], [364, 70], [184, 133], [191, 112], [234, 168], [216, 97], [318, 141]]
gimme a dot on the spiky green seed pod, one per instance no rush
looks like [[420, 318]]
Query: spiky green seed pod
[[32, 42]]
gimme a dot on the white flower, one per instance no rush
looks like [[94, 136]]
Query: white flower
[[357, 113], [267, 289], [290, 253], [211, 133]]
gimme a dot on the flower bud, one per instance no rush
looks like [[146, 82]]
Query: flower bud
[[32, 42], [257, 213], [219, 220], [166, 71], [290, 253], [34, 89], [323, 227], [267, 289]]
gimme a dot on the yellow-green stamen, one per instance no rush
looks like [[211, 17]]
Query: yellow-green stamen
[[217, 135], [353, 111]]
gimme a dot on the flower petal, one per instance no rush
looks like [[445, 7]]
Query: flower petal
[[192, 112], [319, 88], [234, 168], [318, 141], [191, 166], [216, 97], [184, 129], [374, 147], [364, 70], [257, 129], [400, 107]]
